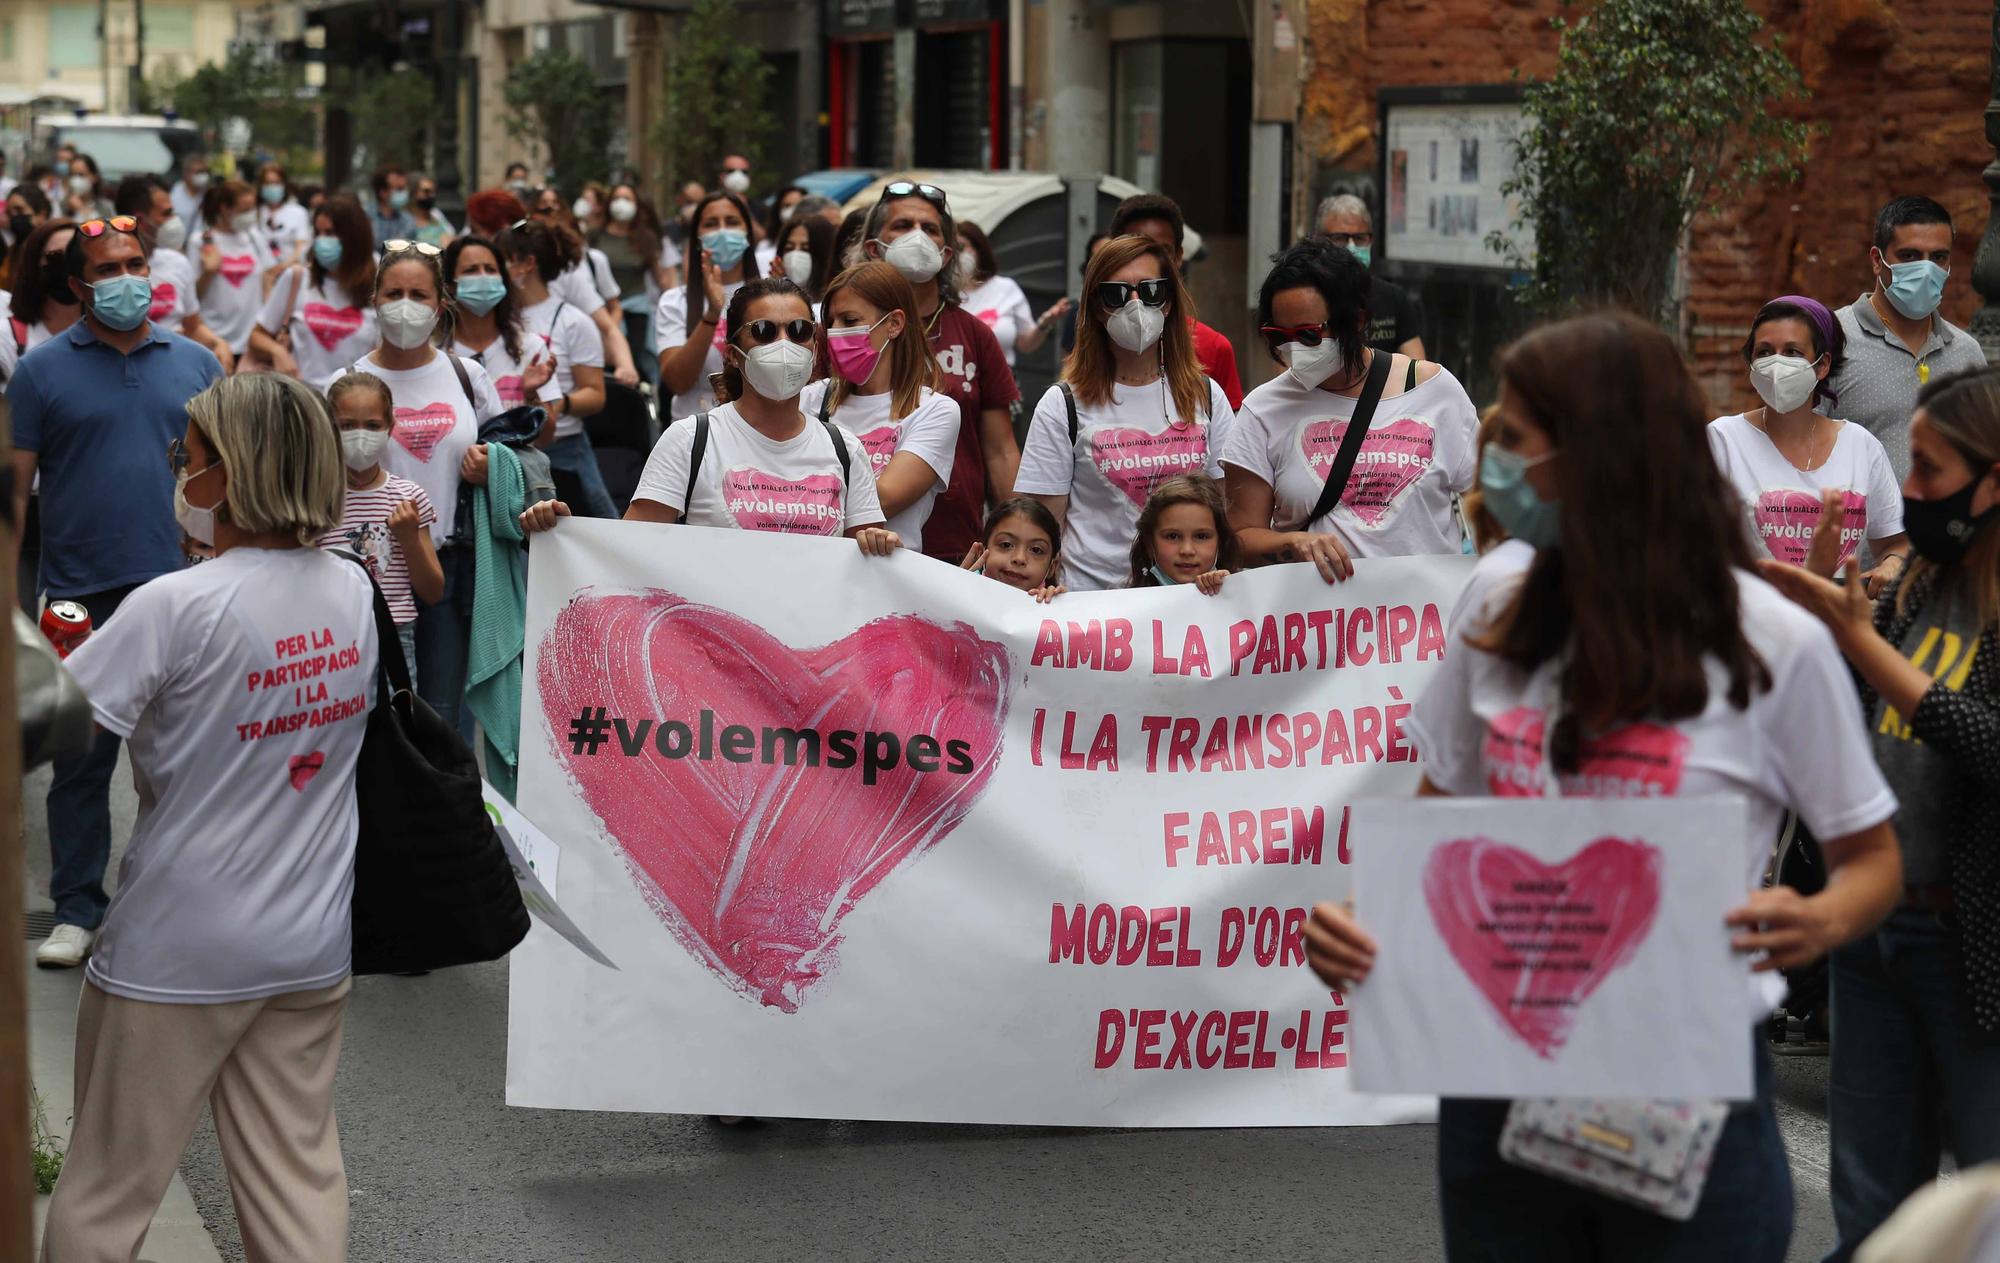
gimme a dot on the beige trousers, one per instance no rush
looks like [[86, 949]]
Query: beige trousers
[[142, 1071]]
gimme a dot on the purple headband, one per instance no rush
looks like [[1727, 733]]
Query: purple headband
[[1823, 321]]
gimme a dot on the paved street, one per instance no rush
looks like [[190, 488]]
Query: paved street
[[441, 1169]]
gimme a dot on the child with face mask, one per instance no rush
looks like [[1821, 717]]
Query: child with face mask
[[1184, 537], [385, 520]]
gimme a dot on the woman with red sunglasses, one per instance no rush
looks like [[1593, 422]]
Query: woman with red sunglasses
[[1416, 454], [756, 462]]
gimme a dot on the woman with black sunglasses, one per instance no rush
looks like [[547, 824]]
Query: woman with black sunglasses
[[1417, 453], [764, 465], [1132, 410]]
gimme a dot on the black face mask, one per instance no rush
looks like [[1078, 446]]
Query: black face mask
[[55, 282], [426, 203], [20, 226], [1942, 529]]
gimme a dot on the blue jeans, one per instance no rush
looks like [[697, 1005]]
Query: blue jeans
[[1912, 1072], [406, 636], [1496, 1212], [80, 809], [444, 638], [574, 455]]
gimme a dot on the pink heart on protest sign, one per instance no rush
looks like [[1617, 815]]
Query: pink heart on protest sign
[[304, 767], [799, 506], [753, 864], [1639, 760], [236, 268], [1537, 939], [330, 325], [1135, 461], [1392, 458], [1786, 518], [164, 294], [881, 444], [420, 430]]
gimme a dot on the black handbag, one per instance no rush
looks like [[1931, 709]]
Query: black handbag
[[432, 884]]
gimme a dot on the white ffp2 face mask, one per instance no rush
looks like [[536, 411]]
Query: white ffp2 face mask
[[362, 449], [915, 255], [736, 181], [778, 370], [171, 235], [199, 523], [798, 266], [1311, 365], [1135, 326], [406, 323], [1783, 382], [623, 209]]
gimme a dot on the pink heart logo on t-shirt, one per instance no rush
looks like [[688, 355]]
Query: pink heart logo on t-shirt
[[1786, 518], [1135, 461], [304, 767], [236, 268], [1391, 459], [765, 502], [509, 390], [990, 317], [881, 444], [420, 430], [751, 863], [331, 324], [1481, 893], [1641, 760], [163, 300], [721, 335]]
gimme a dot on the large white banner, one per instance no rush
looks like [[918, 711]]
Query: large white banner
[[882, 839]]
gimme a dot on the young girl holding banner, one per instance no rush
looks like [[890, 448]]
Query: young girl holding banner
[[1634, 635], [1184, 537]]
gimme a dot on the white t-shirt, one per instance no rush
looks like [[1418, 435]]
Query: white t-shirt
[[10, 351], [435, 423], [243, 685], [600, 275], [174, 298], [1000, 303], [1782, 502], [1419, 452], [330, 327], [286, 227], [670, 330], [556, 326], [763, 254], [1123, 450], [750, 483], [1801, 745], [930, 433], [506, 371], [236, 294], [577, 286]]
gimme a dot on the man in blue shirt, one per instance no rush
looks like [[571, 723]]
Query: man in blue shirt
[[94, 410], [390, 215]]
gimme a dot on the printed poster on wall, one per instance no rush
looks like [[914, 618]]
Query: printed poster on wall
[[1558, 947], [1446, 166], [882, 839]]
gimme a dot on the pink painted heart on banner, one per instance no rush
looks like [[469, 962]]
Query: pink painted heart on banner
[[881, 444], [509, 390], [1392, 458], [753, 865], [1786, 518], [1135, 461], [329, 324], [1537, 939], [164, 294], [236, 268], [802, 506], [304, 767], [420, 430], [1641, 760]]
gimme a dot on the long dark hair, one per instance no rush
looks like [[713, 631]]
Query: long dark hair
[[738, 317], [819, 244], [357, 246], [505, 316], [1196, 489], [749, 260], [38, 282], [1642, 586]]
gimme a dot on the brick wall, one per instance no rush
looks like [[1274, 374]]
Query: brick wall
[[1898, 92]]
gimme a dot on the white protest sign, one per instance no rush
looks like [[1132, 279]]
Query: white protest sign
[[880, 838], [1551, 947]]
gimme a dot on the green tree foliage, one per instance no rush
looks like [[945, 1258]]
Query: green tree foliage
[[714, 100], [554, 100], [266, 95], [392, 112], [1658, 110]]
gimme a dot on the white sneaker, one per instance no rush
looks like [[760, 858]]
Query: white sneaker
[[66, 948]]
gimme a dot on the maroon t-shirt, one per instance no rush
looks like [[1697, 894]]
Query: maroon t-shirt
[[975, 373]]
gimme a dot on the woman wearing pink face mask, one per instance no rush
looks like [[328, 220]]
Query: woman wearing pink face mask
[[881, 392]]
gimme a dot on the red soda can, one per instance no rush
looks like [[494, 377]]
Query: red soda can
[[67, 625]]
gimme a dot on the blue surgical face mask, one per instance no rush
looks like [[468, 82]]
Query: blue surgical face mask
[[62, 166], [1915, 289], [123, 301], [272, 194], [399, 199], [327, 251], [1363, 253], [726, 245], [1513, 502], [1160, 577], [481, 294]]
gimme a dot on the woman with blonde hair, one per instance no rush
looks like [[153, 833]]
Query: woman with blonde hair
[[881, 392], [221, 974], [1132, 410]]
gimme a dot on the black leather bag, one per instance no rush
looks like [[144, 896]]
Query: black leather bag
[[432, 884]]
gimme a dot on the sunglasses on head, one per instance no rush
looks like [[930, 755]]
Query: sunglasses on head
[[1305, 335], [909, 188], [765, 332], [402, 245], [1115, 294], [98, 227]]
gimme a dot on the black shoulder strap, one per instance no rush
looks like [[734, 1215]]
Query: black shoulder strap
[[1069, 406], [694, 460], [1350, 442], [839, 449], [1410, 383], [464, 380], [826, 406]]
